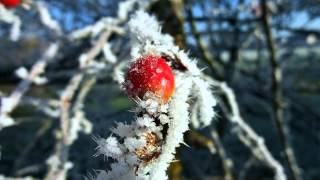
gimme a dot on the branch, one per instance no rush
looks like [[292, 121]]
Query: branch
[[245, 170], [46, 18], [8, 104], [16, 178], [8, 16], [58, 163], [195, 138], [277, 101], [225, 19], [247, 135], [226, 161], [207, 56]]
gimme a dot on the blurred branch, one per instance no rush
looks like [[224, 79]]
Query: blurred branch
[[175, 169], [225, 19], [16, 178], [226, 161], [302, 31], [277, 102], [8, 104], [58, 170], [49, 106], [46, 124], [195, 138], [10, 17], [234, 50], [246, 134], [171, 14], [206, 55], [46, 18]]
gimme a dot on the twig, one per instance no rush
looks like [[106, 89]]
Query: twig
[[226, 161], [46, 18], [276, 76], [16, 178], [8, 104], [244, 171], [42, 130], [207, 57], [58, 169], [195, 138], [247, 135], [49, 106], [8, 16]]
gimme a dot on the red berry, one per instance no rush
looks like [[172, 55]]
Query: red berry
[[10, 3], [150, 74]]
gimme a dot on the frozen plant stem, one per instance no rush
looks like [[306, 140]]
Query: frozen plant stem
[[277, 102], [58, 168], [46, 18], [8, 104], [247, 135], [8, 16]]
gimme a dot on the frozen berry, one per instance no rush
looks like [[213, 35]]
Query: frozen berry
[[10, 3], [150, 74]]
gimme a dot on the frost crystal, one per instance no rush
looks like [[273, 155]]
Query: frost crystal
[[144, 148]]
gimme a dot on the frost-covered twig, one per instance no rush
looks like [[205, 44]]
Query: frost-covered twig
[[16, 178], [8, 104], [8, 16], [58, 162], [20, 159], [83, 124], [70, 126], [124, 10], [247, 135], [144, 148], [48, 106], [46, 18], [150, 141]]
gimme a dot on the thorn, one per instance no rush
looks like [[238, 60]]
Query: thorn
[[175, 160], [202, 69], [185, 144]]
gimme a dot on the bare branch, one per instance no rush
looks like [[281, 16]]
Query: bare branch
[[277, 101], [226, 161], [247, 135], [207, 56], [58, 170], [8, 104]]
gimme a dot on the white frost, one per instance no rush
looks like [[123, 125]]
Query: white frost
[[149, 143]]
